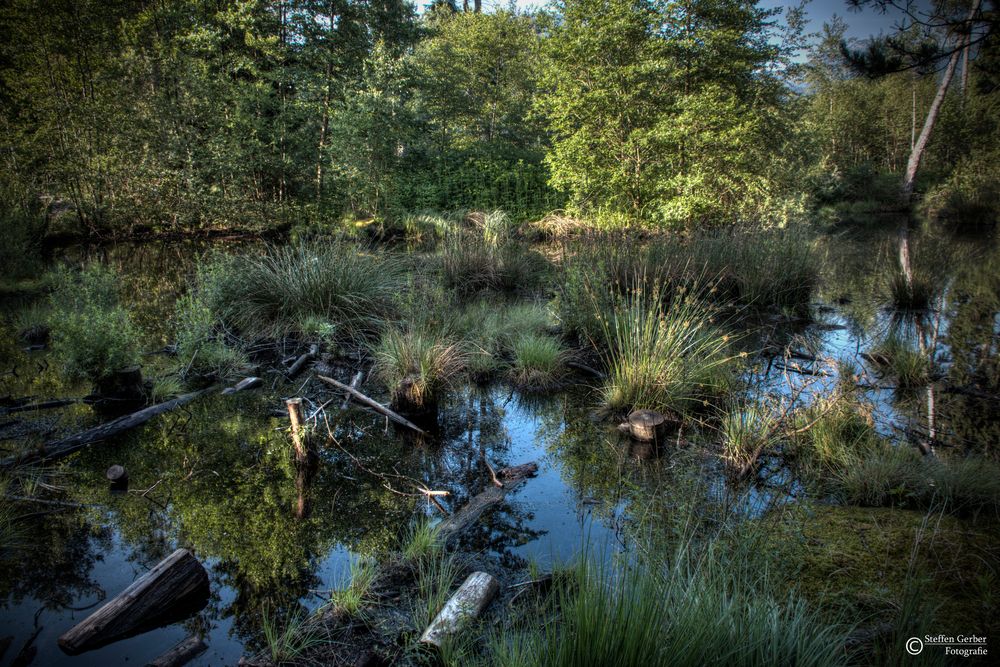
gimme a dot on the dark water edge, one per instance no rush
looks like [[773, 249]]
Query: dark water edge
[[220, 484]]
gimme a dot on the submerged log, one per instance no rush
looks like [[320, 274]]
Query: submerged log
[[468, 602], [373, 404], [40, 405], [57, 449], [458, 522], [181, 654], [151, 599], [301, 362]]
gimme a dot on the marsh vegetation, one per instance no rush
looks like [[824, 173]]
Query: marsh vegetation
[[358, 306]]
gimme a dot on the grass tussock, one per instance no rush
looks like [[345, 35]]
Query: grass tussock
[[747, 428], [287, 640], [667, 356], [491, 328], [489, 261], [271, 294], [896, 358], [352, 599], [700, 610], [418, 364], [899, 476], [538, 361], [837, 449]]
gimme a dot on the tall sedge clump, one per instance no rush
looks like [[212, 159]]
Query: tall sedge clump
[[417, 365], [665, 355], [351, 287]]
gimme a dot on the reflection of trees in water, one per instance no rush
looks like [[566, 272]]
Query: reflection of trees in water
[[56, 564]]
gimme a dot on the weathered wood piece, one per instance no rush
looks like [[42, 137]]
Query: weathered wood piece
[[57, 449], [297, 418], [355, 383], [243, 385], [466, 516], [181, 654], [118, 477], [646, 425], [468, 602], [301, 362], [40, 405], [587, 369], [177, 579], [373, 404]]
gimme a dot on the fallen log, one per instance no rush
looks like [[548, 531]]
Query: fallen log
[[301, 362], [243, 385], [57, 449], [373, 404], [468, 602], [40, 405], [156, 596], [511, 477], [587, 369], [181, 654]]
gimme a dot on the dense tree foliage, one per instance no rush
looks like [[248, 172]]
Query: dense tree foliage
[[188, 114]]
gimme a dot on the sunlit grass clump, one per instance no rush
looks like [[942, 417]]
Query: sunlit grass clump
[[538, 361], [270, 294], [748, 428], [898, 359], [474, 263], [697, 611], [291, 638], [666, 356], [417, 364], [351, 599]]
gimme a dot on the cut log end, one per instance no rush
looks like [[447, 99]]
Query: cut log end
[[646, 425]]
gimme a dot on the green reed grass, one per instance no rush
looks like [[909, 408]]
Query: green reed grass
[[417, 364], [539, 361], [700, 609], [290, 639], [667, 356], [270, 294]]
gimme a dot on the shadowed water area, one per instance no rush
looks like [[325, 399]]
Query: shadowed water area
[[216, 477]]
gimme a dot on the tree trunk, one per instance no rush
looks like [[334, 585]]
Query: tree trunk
[[917, 154]]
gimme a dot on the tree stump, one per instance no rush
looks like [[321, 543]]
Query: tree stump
[[647, 425], [299, 436], [118, 477]]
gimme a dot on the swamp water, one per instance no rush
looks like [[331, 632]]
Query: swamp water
[[216, 476]]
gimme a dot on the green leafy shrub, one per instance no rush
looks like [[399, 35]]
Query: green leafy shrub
[[92, 335], [203, 351]]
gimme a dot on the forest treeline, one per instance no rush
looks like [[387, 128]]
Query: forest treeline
[[183, 115]]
